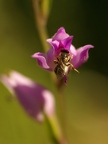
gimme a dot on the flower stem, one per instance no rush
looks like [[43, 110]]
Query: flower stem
[[56, 129], [41, 24], [41, 27], [63, 112]]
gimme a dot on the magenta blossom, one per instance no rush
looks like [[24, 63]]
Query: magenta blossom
[[62, 41], [34, 98]]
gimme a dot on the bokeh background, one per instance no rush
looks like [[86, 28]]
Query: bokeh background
[[86, 96]]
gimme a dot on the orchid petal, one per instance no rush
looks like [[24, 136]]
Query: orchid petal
[[81, 56], [41, 59], [51, 58], [54, 44], [67, 42], [60, 35]]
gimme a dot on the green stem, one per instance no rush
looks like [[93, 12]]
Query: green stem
[[41, 24], [41, 27], [56, 129]]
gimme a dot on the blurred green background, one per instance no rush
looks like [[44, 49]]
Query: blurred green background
[[86, 96]]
